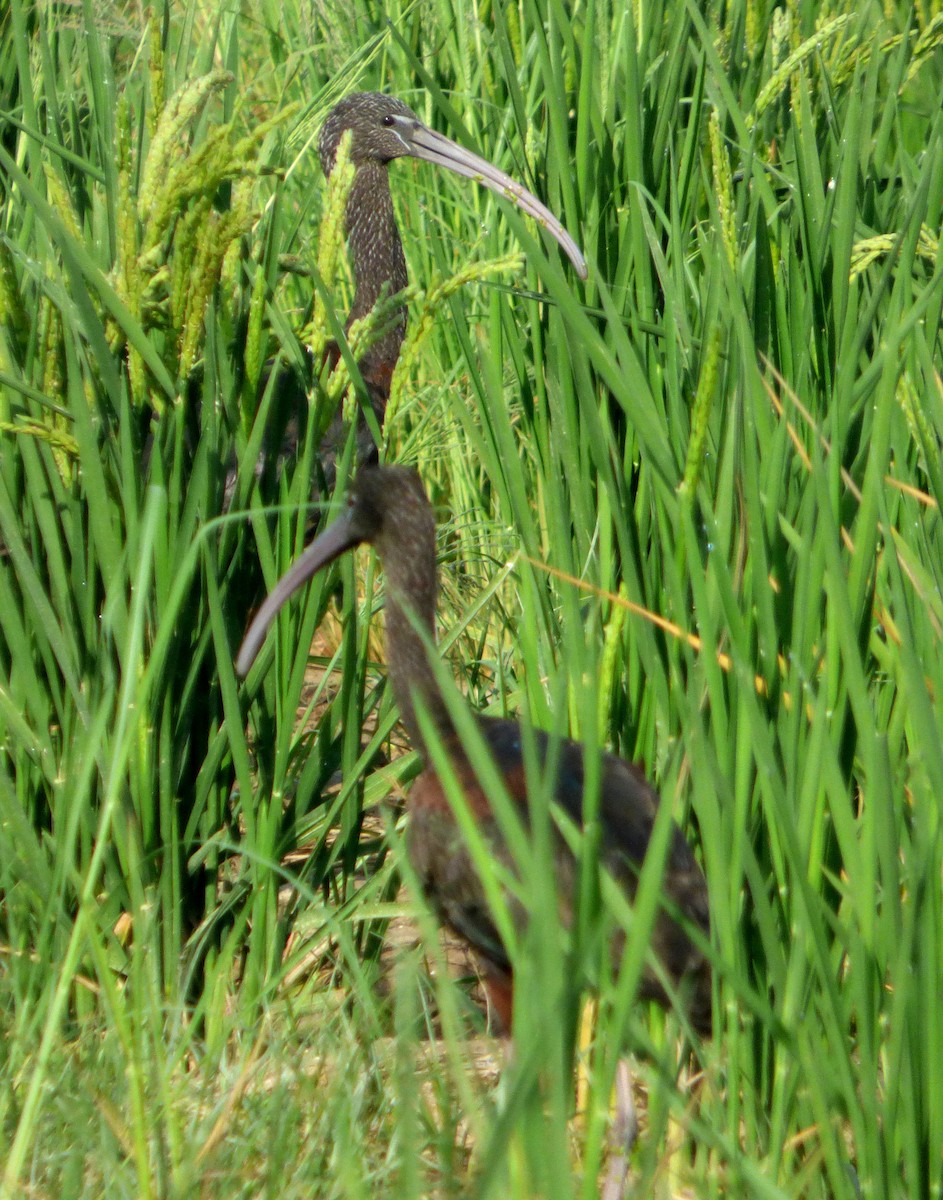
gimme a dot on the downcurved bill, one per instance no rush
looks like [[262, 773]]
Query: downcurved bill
[[433, 147], [323, 550]]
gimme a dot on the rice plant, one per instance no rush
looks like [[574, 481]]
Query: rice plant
[[689, 510]]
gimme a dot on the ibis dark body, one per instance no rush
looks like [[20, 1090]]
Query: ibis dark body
[[388, 508]]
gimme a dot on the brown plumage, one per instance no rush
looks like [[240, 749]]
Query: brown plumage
[[388, 508]]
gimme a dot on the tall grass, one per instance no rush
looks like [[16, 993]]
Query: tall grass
[[734, 427]]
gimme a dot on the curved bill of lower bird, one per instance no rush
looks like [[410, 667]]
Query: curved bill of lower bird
[[425, 143], [323, 550]]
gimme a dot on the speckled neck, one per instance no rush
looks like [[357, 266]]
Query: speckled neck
[[377, 255]]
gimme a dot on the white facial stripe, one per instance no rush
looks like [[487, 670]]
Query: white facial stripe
[[398, 122]]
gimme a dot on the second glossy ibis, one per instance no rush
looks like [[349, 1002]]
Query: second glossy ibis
[[388, 508]]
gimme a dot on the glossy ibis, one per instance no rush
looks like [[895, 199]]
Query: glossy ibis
[[388, 508], [383, 128]]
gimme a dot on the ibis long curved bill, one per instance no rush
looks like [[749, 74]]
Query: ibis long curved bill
[[433, 147], [324, 549]]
